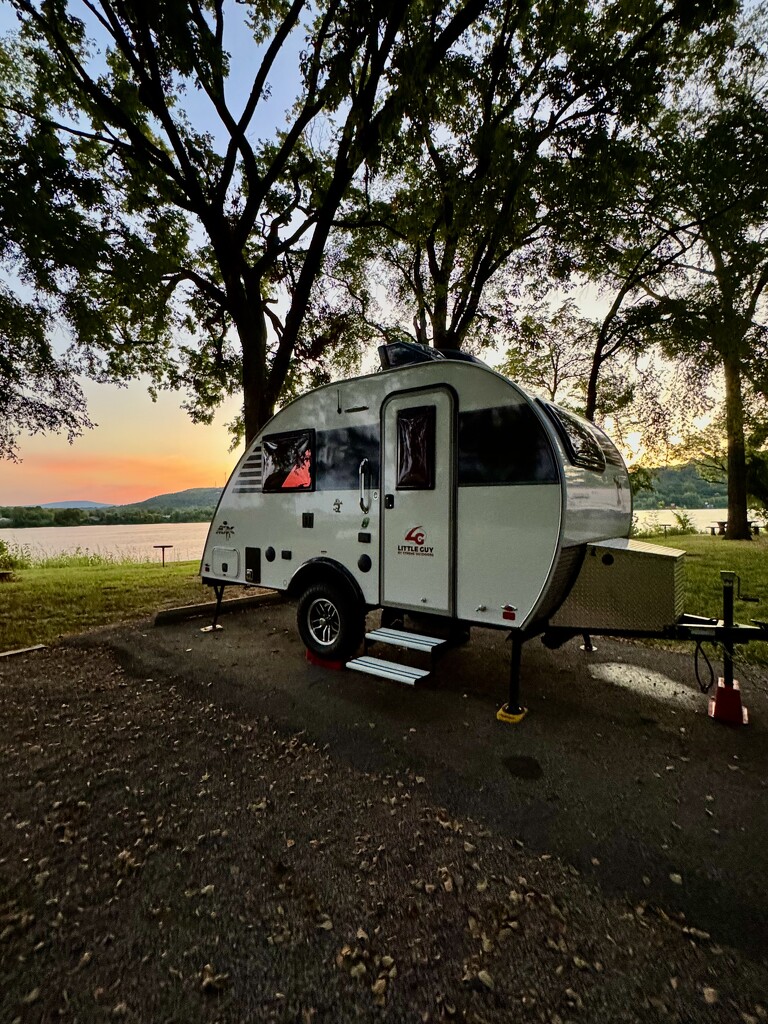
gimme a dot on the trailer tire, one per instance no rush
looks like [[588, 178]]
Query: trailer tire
[[330, 621]]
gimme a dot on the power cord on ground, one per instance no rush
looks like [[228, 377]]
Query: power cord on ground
[[700, 652], [743, 666]]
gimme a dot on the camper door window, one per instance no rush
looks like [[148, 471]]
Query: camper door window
[[289, 461], [416, 448]]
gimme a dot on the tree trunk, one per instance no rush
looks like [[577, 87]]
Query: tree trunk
[[440, 338], [591, 396], [738, 524], [257, 406], [441, 280]]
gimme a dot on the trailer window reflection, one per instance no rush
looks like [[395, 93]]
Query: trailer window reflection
[[416, 448], [289, 461], [579, 438]]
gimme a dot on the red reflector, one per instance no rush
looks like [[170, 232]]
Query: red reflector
[[509, 614]]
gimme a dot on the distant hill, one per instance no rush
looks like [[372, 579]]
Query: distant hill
[[195, 505], [193, 497], [76, 504], [682, 487]]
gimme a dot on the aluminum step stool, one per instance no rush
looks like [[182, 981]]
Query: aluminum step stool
[[407, 674]]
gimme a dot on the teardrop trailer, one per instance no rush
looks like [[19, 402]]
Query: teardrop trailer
[[439, 487]]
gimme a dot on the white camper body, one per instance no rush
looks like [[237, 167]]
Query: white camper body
[[437, 487]]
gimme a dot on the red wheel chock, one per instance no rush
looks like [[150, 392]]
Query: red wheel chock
[[315, 659], [726, 705]]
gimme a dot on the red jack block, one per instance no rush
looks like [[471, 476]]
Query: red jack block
[[726, 705], [315, 659]]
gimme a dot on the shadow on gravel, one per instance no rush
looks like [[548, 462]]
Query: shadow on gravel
[[631, 783]]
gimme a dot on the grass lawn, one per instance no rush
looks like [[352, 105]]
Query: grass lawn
[[46, 602], [705, 557], [42, 604]]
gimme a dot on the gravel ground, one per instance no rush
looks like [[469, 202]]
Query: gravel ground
[[169, 856]]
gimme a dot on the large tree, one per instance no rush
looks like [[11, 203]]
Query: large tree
[[689, 256], [180, 237], [522, 134]]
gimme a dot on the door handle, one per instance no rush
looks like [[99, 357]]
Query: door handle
[[389, 501], [365, 505]]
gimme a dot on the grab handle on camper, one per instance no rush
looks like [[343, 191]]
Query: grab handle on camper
[[365, 505]]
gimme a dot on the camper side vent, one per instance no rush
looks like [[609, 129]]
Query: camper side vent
[[249, 478]]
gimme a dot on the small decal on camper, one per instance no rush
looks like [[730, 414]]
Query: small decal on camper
[[415, 543], [226, 530], [337, 505]]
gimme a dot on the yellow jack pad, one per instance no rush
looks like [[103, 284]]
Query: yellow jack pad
[[504, 715]]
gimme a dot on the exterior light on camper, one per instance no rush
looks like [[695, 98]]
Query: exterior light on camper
[[508, 612]]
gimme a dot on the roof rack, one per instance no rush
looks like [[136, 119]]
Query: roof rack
[[406, 353]]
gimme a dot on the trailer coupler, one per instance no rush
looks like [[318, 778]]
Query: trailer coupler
[[725, 705]]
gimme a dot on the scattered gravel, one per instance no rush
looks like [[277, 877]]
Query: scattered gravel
[[162, 859]]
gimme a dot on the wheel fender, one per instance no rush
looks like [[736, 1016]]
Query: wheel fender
[[324, 570]]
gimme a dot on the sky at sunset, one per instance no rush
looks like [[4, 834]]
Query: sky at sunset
[[139, 448]]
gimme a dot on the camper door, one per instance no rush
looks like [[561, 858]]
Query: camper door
[[418, 509]]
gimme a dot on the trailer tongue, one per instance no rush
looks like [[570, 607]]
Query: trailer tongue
[[725, 705]]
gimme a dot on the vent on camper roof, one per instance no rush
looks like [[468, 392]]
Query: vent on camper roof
[[249, 478]]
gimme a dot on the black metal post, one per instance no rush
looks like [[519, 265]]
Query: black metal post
[[513, 702], [587, 646], [218, 589], [728, 579]]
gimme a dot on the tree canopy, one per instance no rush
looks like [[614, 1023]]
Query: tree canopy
[[687, 251], [148, 208], [522, 136], [168, 232]]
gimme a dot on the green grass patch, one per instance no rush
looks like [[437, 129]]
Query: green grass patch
[[705, 557], [75, 593], [62, 597]]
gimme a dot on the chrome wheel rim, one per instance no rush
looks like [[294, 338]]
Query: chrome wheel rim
[[323, 622]]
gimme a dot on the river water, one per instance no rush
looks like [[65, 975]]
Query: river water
[[702, 518], [132, 543], [137, 543]]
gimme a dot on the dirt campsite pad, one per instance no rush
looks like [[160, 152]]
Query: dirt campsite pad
[[204, 827]]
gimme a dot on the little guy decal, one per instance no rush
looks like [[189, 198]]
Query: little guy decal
[[416, 538]]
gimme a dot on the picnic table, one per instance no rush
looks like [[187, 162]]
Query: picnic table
[[163, 548], [721, 526]]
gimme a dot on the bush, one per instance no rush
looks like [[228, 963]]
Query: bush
[[13, 557], [651, 528], [683, 525]]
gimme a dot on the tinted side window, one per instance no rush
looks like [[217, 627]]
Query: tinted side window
[[504, 445], [416, 448], [339, 454], [289, 461]]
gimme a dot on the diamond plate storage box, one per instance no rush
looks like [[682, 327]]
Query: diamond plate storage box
[[625, 585]]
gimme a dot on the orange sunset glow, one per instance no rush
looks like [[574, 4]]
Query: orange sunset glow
[[139, 449]]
